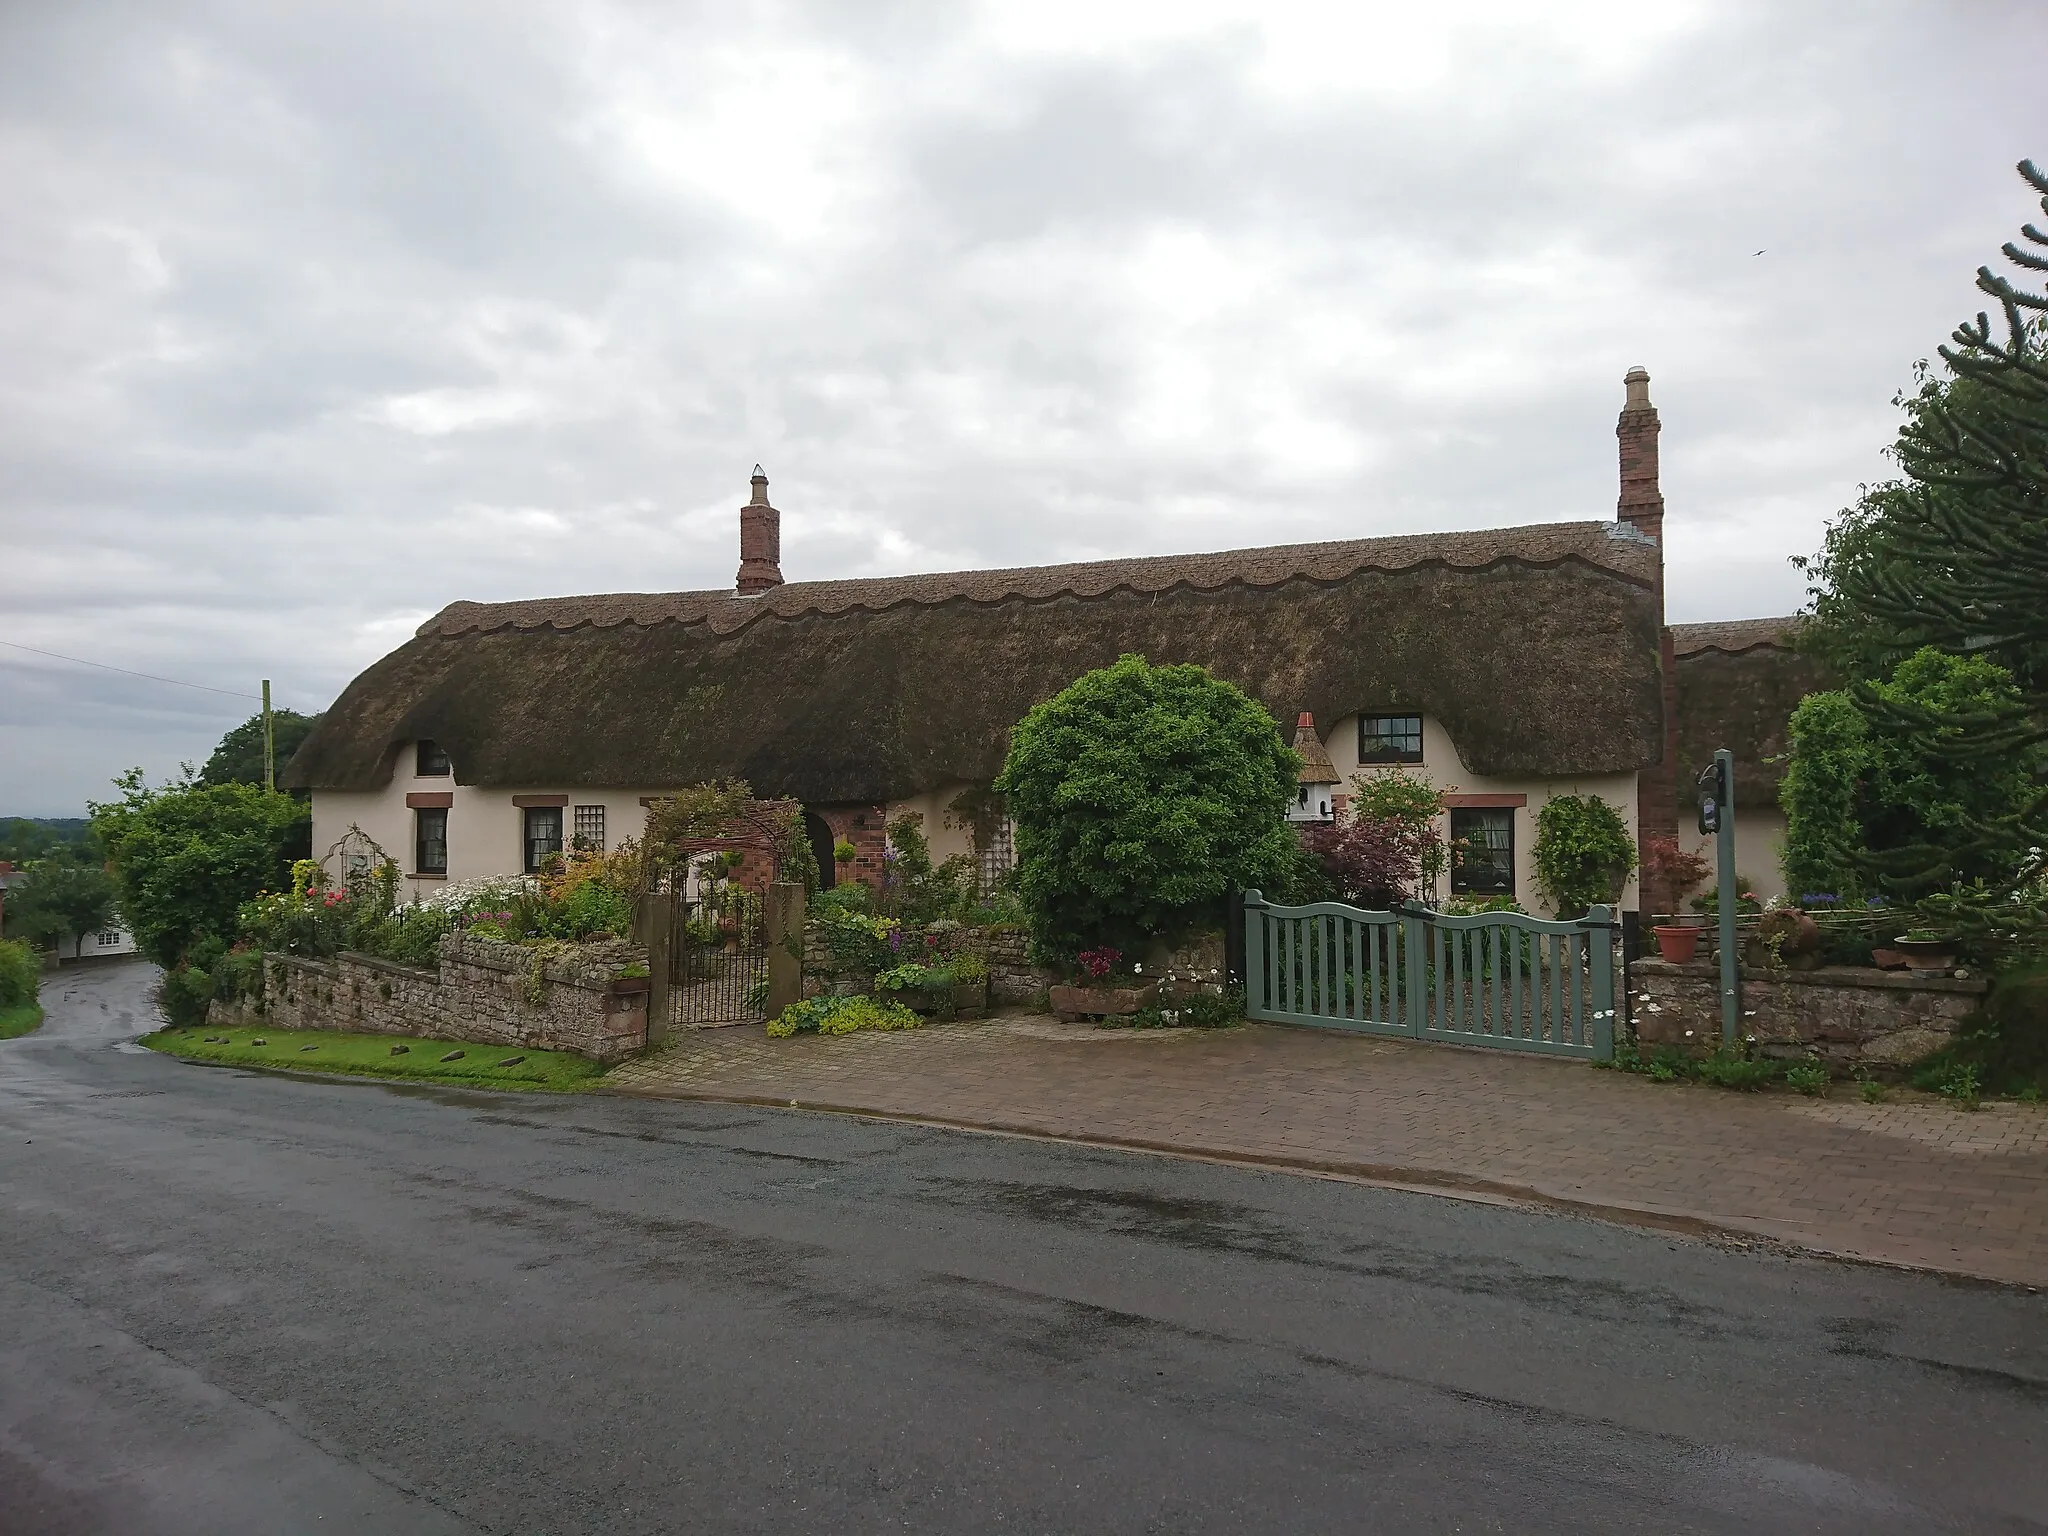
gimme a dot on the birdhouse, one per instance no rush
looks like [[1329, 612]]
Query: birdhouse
[[1318, 780]]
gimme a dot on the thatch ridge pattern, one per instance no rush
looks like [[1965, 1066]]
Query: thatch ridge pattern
[[1611, 547]]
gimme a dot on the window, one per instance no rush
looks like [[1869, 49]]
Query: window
[[589, 829], [543, 826], [430, 842], [996, 857], [1390, 738], [106, 940], [430, 762], [1482, 852]]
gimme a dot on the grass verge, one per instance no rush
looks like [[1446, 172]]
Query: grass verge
[[25, 1020], [325, 1050]]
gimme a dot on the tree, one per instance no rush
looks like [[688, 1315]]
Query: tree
[[239, 757], [60, 900], [1878, 794], [1141, 796], [187, 855], [1955, 556]]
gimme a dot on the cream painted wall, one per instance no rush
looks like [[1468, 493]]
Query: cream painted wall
[[1759, 847], [946, 833], [484, 826], [1446, 770]]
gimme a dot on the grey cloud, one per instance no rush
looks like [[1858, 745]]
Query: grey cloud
[[313, 319]]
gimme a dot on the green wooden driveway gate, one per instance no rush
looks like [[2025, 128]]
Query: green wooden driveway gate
[[1498, 978]]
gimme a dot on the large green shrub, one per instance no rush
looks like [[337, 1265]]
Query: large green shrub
[[1141, 796], [187, 857], [20, 973], [1821, 797], [1878, 796], [1583, 853]]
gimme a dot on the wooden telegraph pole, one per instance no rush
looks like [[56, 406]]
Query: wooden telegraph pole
[[269, 742]]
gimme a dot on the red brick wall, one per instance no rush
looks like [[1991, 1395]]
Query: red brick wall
[[864, 826]]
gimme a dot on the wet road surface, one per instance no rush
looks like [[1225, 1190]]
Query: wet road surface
[[237, 1302]]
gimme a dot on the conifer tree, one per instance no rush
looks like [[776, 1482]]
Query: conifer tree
[[1966, 567]]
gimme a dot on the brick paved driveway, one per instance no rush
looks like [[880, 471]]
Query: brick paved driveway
[[1911, 1181]]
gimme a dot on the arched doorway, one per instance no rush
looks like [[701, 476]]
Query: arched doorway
[[822, 842]]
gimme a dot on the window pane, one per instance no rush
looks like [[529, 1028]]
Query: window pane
[[589, 829], [1483, 852], [429, 761], [1390, 738], [543, 835], [430, 854]]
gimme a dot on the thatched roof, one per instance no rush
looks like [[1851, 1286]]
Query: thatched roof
[[1738, 684], [1536, 647]]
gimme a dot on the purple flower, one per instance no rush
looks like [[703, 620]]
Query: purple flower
[[896, 941]]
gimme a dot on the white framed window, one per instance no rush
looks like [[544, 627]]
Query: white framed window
[[588, 829], [107, 940]]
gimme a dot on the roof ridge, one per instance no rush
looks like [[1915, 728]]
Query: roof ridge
[[1734, 636], [1612, 546]]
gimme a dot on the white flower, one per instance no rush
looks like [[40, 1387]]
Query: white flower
[[1136, 969]]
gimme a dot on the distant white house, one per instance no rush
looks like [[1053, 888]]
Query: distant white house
[[104, 944]]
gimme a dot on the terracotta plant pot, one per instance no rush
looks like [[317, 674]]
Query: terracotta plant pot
[[1071, 1003], [1678, 945]]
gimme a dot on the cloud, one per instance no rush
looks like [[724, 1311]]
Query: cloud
[[314, 319]]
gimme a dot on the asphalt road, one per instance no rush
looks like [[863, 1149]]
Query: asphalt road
[[239, 1302]]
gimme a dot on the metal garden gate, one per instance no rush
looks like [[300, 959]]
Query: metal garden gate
[[1496, 978]]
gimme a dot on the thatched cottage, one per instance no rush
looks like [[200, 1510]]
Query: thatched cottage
[[1508, 665]]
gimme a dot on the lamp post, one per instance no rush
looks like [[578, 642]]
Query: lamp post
[[1717, 816]]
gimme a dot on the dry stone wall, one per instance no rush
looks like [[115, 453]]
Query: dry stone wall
[[480, 990], [1849, 1016]]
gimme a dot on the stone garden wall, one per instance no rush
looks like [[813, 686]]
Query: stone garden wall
[[481, 990], [1849, 1016]]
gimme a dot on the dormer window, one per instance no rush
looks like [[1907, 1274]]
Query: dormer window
[[430, 762], [1390, 738]]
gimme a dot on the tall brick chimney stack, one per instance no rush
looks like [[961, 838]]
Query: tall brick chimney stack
[[1642, 506], [1642, 503], [760, 542]]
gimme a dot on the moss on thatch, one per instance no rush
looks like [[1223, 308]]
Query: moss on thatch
[[1535, 647]]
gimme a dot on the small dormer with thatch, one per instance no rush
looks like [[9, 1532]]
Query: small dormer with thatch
[[1318, 777]]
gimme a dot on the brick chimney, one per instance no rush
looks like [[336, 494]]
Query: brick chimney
[[1642, 506], [1642, 503], [760, 542]]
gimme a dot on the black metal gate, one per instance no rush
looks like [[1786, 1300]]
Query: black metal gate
[[718, 962]]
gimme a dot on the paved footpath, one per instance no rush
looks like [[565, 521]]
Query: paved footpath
[[1911, 1181]]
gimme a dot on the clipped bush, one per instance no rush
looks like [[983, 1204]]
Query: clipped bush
[[1142, 796], [1584, 850]]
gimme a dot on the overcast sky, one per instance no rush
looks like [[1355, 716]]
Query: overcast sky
[[316, 317]]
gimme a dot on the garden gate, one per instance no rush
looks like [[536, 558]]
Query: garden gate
[[1496, 978], [718, 960]]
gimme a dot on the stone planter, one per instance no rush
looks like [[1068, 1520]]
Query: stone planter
[[1927, 957], [1677, 944], [970, 999], [625, 985], [1070, 1003]]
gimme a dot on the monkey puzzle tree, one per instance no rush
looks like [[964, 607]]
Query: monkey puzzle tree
[[1956, 557]]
